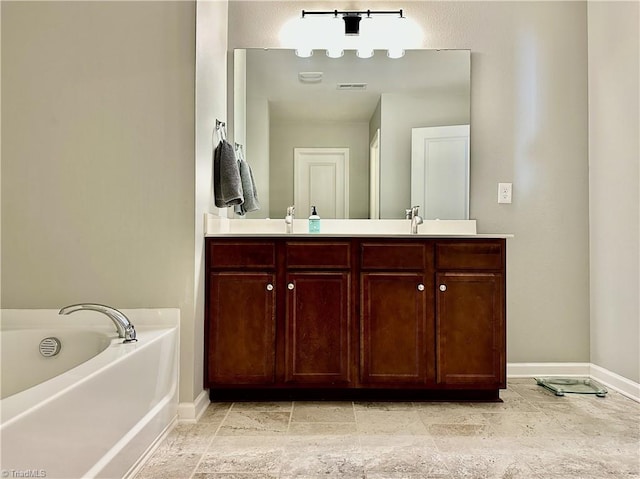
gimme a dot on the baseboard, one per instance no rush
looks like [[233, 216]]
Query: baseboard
[[616, 382], [191, 411], [529, 370], [611, 380]]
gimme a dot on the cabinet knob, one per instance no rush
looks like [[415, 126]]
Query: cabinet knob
[[269, 287], [421, 287], [290, 286], [443, 287]]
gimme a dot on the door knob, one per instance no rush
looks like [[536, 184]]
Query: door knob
[[269, 287], [443, 287], [421, 287], [290, 286]]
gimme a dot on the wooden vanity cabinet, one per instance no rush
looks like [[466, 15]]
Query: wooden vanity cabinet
[[241, 305], [470, 314], [396, 324], [318, 313], [357, 317]]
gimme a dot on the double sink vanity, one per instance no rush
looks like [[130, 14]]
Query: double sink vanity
[[365, 309]]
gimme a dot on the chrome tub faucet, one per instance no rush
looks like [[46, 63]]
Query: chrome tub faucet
[[123, 325]]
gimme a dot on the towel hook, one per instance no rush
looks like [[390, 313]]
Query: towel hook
[[221, 130], [239, 151]]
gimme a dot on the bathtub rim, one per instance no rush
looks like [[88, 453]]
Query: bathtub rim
[[151, 324]]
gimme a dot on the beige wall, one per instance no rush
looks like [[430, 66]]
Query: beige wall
[[98, 156], [614, 182], [529, 127]]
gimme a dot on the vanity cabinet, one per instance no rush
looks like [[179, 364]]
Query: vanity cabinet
[[318, 313], [241, 306], [470, 314], [324, 317], [396, 323]]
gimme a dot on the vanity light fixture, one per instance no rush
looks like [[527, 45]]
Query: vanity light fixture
[[335, 31], [352, 19]]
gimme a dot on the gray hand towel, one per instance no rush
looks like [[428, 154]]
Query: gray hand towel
[[227, 185], [249, 191]]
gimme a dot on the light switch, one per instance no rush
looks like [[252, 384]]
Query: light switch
[[504, 192]]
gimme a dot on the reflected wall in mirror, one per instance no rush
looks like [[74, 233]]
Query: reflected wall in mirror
[[378, 109]]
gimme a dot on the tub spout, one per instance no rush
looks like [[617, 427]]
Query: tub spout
[[122, 323]]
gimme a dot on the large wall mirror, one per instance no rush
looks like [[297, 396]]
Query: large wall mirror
[[358, 138]]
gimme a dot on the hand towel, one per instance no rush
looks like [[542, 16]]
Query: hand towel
[[227, 185], [249, 191]]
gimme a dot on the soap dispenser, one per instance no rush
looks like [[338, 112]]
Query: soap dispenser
[[314, 221]]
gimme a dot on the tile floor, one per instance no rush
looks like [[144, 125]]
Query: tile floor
[[532, 434]]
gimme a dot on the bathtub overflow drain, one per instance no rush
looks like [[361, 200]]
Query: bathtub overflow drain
[[50, 347]]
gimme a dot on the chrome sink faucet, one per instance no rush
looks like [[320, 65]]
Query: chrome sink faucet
[[416, 219], [288, 220], [123, 325]]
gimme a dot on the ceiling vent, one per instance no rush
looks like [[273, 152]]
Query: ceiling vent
[[310, 77], [352, 86]]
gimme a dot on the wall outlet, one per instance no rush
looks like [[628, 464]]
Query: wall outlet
[[504, 192]]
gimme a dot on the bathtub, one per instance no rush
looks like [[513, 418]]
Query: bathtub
[[95, 408]]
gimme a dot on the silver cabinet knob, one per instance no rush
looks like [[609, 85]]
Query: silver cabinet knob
[[269, 287], [443, 287], [290, 286], [421, 287]]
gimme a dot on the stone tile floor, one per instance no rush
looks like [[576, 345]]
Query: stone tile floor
[[532, 434]]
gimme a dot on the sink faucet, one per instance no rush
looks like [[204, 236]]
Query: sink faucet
[[122, 323], [288, 220], [416, 219]]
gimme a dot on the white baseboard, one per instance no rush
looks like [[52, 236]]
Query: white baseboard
[[616, 382], [191, 411], [529, 370], [607, 378]]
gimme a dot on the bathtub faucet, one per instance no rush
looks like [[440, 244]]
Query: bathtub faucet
[[123, 325]]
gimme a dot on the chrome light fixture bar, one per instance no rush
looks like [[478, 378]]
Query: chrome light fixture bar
[[361, 30]]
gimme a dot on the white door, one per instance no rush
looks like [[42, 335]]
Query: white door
[[440, 171], [321, 178], [374, 177]]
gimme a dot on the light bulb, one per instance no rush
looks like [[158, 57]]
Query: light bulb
[[335, 52], [395, 52], [304, 52], [364, 52]]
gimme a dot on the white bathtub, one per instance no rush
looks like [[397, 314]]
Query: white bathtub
[[95, 408]]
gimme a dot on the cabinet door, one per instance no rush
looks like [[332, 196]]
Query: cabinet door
[[394, 334], [241, 335], [470, 325], [318, 338]]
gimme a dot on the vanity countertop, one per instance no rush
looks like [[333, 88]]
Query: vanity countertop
[[224, 227]]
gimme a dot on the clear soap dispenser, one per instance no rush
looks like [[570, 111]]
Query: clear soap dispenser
[[314, 221]]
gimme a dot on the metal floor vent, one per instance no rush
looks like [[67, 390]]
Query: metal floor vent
[[50, 347]]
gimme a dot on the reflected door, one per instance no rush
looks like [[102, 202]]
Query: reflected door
[[321, 178], [440, 171]]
